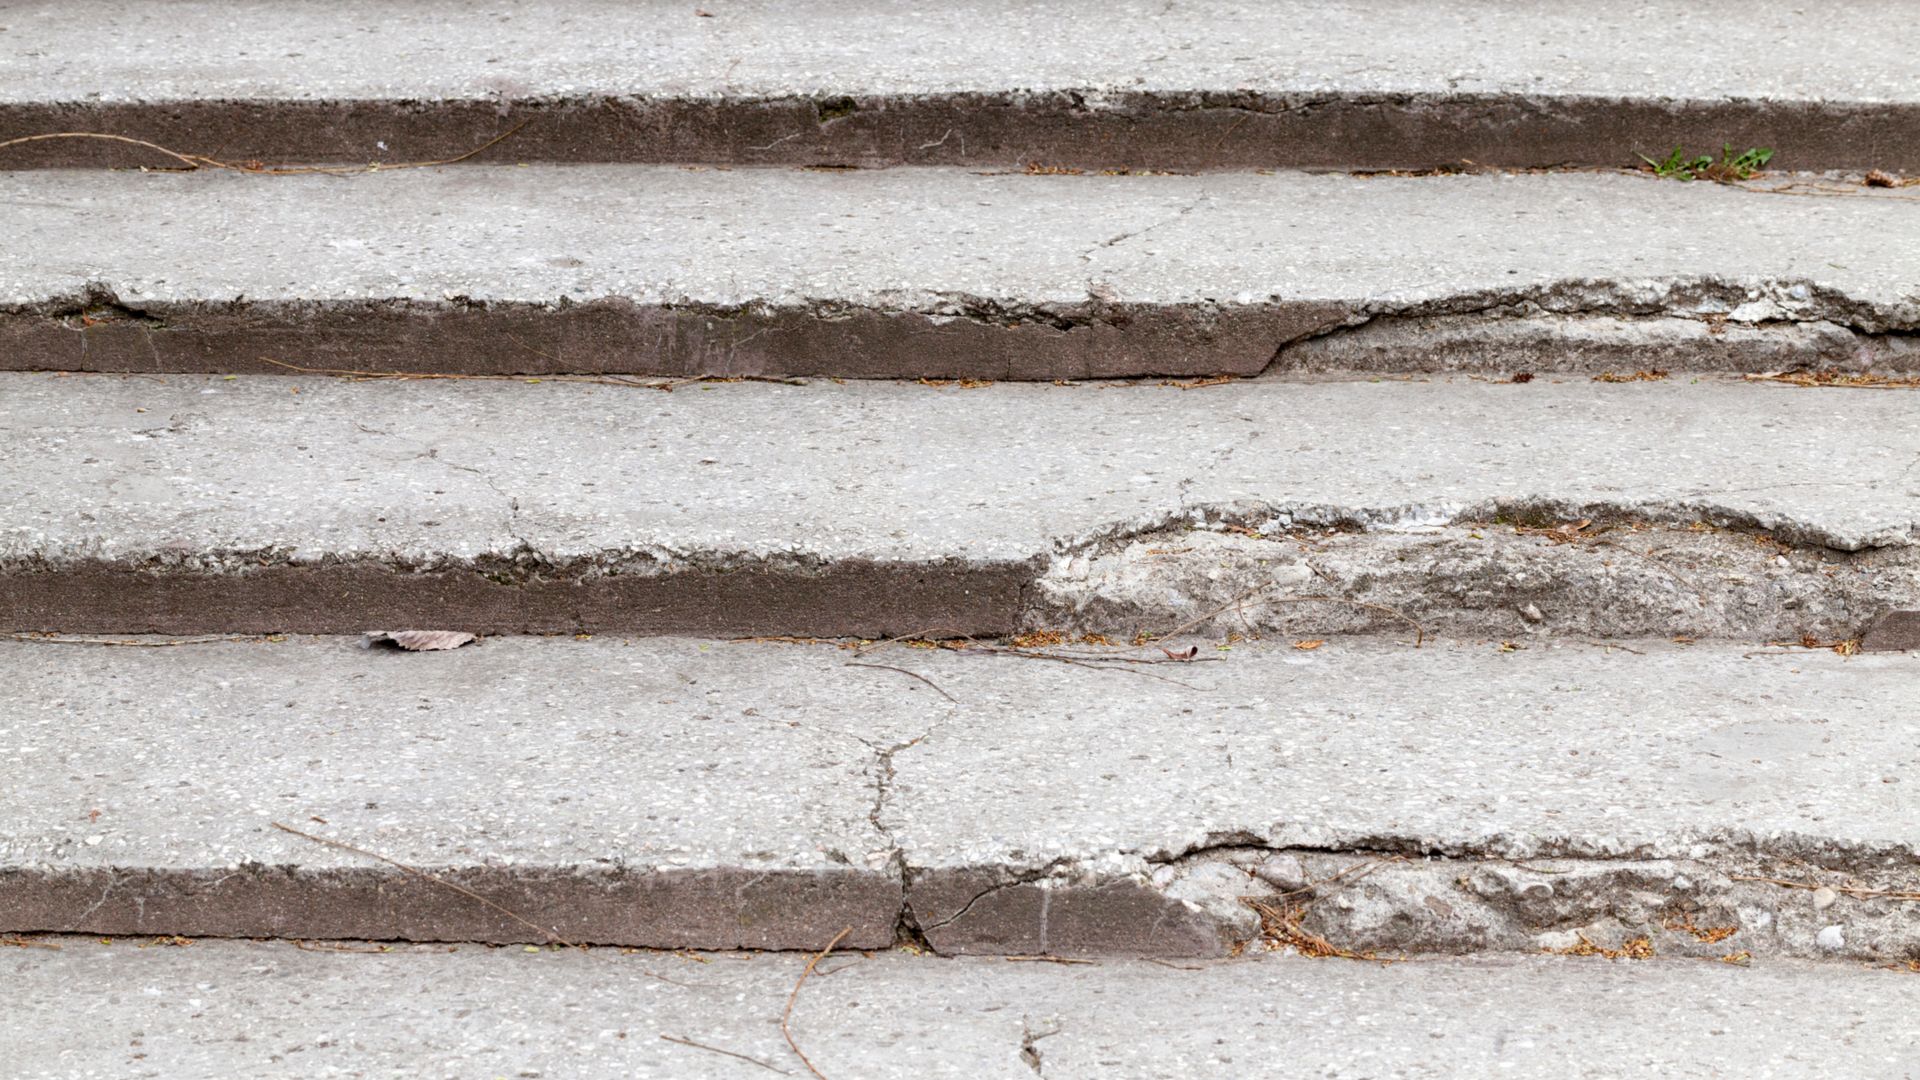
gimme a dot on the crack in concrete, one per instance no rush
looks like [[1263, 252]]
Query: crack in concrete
[[1120, 238], [907, 929], [1030, 1053]]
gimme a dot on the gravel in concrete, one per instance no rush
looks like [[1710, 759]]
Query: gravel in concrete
[[192, 504], [1202, 83], [946, 273], [679, 793], [214, 1009]]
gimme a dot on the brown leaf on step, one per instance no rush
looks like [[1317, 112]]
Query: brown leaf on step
[[1187, 653], [1877, 178], [1522, 377], [417, 640], [1309, 644]]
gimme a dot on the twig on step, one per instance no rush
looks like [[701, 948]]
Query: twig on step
[[729, 1053], [202, 161], [786, 1018], [910, 674], [422, 874]]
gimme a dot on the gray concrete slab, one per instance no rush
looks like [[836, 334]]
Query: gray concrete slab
[[1198, 83], [946, 273], [685, 793], [267, 1010], [196, 504], [610, 797]]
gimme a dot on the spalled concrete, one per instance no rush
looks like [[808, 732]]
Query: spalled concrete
[[269, 1010], [192, 504], [1199, 84], [674, 793], [946, 273]]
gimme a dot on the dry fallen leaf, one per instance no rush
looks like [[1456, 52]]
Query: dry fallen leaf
[[1188, 653], [1310, 643], [416, 640], [1877, 178]]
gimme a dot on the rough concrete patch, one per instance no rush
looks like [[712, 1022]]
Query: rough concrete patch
[[1465, 580], [1591, 343], [1379, 903], [1700, 324]]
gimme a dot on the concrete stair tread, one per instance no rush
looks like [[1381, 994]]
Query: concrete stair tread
[[271, 1010], [192, 504], [1211, 83], [945, 272], [684, 793]]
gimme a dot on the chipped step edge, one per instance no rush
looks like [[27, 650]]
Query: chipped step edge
[[1590, 326], [1089, 128], [1216, 901], [1504, 569]]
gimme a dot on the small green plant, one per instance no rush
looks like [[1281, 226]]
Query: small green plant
[[1743, 166]]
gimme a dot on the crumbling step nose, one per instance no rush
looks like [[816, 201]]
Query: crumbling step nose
[[1342, 799], [1562, 508]]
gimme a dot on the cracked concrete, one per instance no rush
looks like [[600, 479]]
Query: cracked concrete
[[1203, 84], [768, 795], [946, 273], [865, 510]]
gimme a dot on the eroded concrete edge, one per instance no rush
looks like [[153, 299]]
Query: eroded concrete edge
[[1703, 324], [1497, 569]]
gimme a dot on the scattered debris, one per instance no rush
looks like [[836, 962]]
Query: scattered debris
[[1709, 935], [1521, 377], [1649, 375], [1853, 380], [1742, 958], [417, 640], [1881, 179], [15, 942], [1310, 644], [1280, 928], [1047, 959], [1640, 948], [786, 1018]]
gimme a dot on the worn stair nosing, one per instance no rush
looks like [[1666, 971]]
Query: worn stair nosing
[[1204, 86], [942, 273], [560, 791]]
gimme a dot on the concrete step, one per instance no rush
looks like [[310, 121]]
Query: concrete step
[[257, 1009], [1197, 84], [674, 793], [948, 273], [194, 504]]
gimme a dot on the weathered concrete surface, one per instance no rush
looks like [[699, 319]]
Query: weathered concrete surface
[[269, 1010], [609, 798], [1207, 84], [191, 504], [676, 793], [946, 273]]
